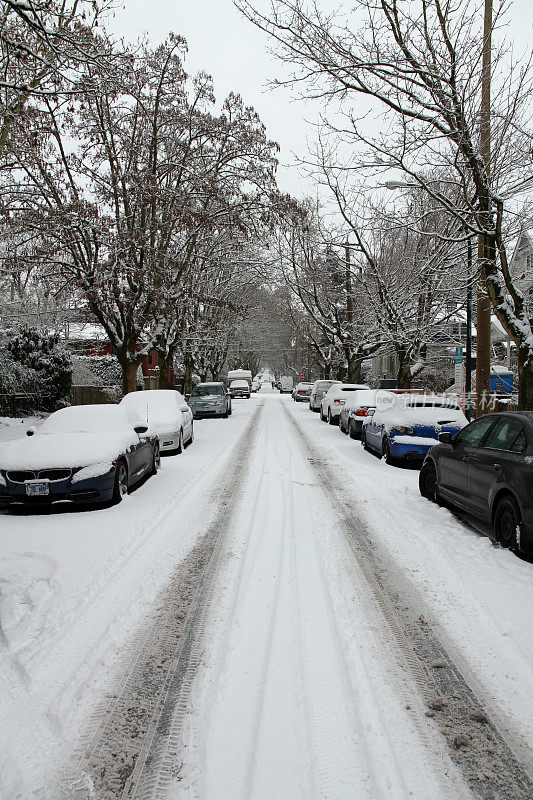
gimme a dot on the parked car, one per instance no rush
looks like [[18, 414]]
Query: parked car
[[239, 388], [256, 385], [277, 384], [355, 409], [83, 454], [301, 391], [318, 391], [167, 413], [406, 426], [210, 400], [487, 470], [336, 396]]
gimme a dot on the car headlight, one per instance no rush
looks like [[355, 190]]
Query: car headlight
[[405, 430]]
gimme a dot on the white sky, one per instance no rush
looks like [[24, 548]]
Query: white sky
[[235, 53]]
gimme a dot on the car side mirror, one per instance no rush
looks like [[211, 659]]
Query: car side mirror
[[446, 438], [31, 431], [370, 412], [184, 408], [140, 429]]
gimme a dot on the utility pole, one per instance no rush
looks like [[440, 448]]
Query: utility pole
[[485, 246], [468, 376], [349, 304]]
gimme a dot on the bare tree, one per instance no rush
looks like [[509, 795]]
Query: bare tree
[[125, 182], [421, 63]]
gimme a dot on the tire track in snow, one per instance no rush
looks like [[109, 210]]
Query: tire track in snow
[[337, 745], [493, 767], [119, 757]]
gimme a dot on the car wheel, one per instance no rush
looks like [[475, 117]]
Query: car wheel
[[364, 441], [331, 418], [385, 451], [179, 448], [191, 440], [120, 487], [322, 417], [427, 480], [156, 460], [507, 520], [352, 430], [226, 413]]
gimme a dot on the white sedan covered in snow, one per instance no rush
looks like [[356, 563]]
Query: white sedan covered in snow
[[84, 454], [167, 413]]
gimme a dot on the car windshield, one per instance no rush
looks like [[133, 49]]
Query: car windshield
[[207, 391]]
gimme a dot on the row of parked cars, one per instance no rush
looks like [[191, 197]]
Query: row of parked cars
[[484, 468], [96, 453]]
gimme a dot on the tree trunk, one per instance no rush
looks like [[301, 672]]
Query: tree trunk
[[165, 365], [189, 366], [354, 370], [525, 376], [404, 377], [327, 371], [129, 376]]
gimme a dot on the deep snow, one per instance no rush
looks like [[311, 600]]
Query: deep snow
[[75, 584]]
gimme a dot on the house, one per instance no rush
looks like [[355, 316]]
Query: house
[[521, 268], [90, 339]]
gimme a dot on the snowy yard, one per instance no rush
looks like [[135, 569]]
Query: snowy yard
[[295, 694]]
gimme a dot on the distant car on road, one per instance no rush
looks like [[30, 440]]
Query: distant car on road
[[334, 399], [210, 400], [486, 469], [301, 391], [82, 454], [167, 413], [355, 410], [286, 384], [406, 426], [239, 388]]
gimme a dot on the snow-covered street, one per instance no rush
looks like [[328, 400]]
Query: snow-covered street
[[276, 614]]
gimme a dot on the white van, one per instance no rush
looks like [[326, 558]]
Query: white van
[[287, 384]]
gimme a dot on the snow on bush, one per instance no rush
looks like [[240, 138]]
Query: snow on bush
[[108, 371], [36, 365]]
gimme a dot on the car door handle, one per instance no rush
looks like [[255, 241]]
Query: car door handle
[[465, 459]]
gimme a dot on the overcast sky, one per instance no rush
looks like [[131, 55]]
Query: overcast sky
[[235, 53]]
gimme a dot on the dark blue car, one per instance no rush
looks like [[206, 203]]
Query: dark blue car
[[82, 454], [406, 426]]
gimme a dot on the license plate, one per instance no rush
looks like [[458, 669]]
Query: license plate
[[37, 488]]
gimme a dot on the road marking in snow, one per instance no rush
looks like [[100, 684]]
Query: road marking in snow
[[492, 764], [123, 755], [276, 667]]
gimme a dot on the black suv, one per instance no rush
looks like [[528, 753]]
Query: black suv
[[487, 470]]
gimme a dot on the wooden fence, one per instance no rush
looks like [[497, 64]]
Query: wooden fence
[[87, 395]]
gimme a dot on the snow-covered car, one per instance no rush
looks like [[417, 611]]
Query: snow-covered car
[[256, 385], [210, 400], [318, 390], [83, 454], [167, 413], [334, 399], [355, 410], [301, 391], [406, 426], [239, 388]]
